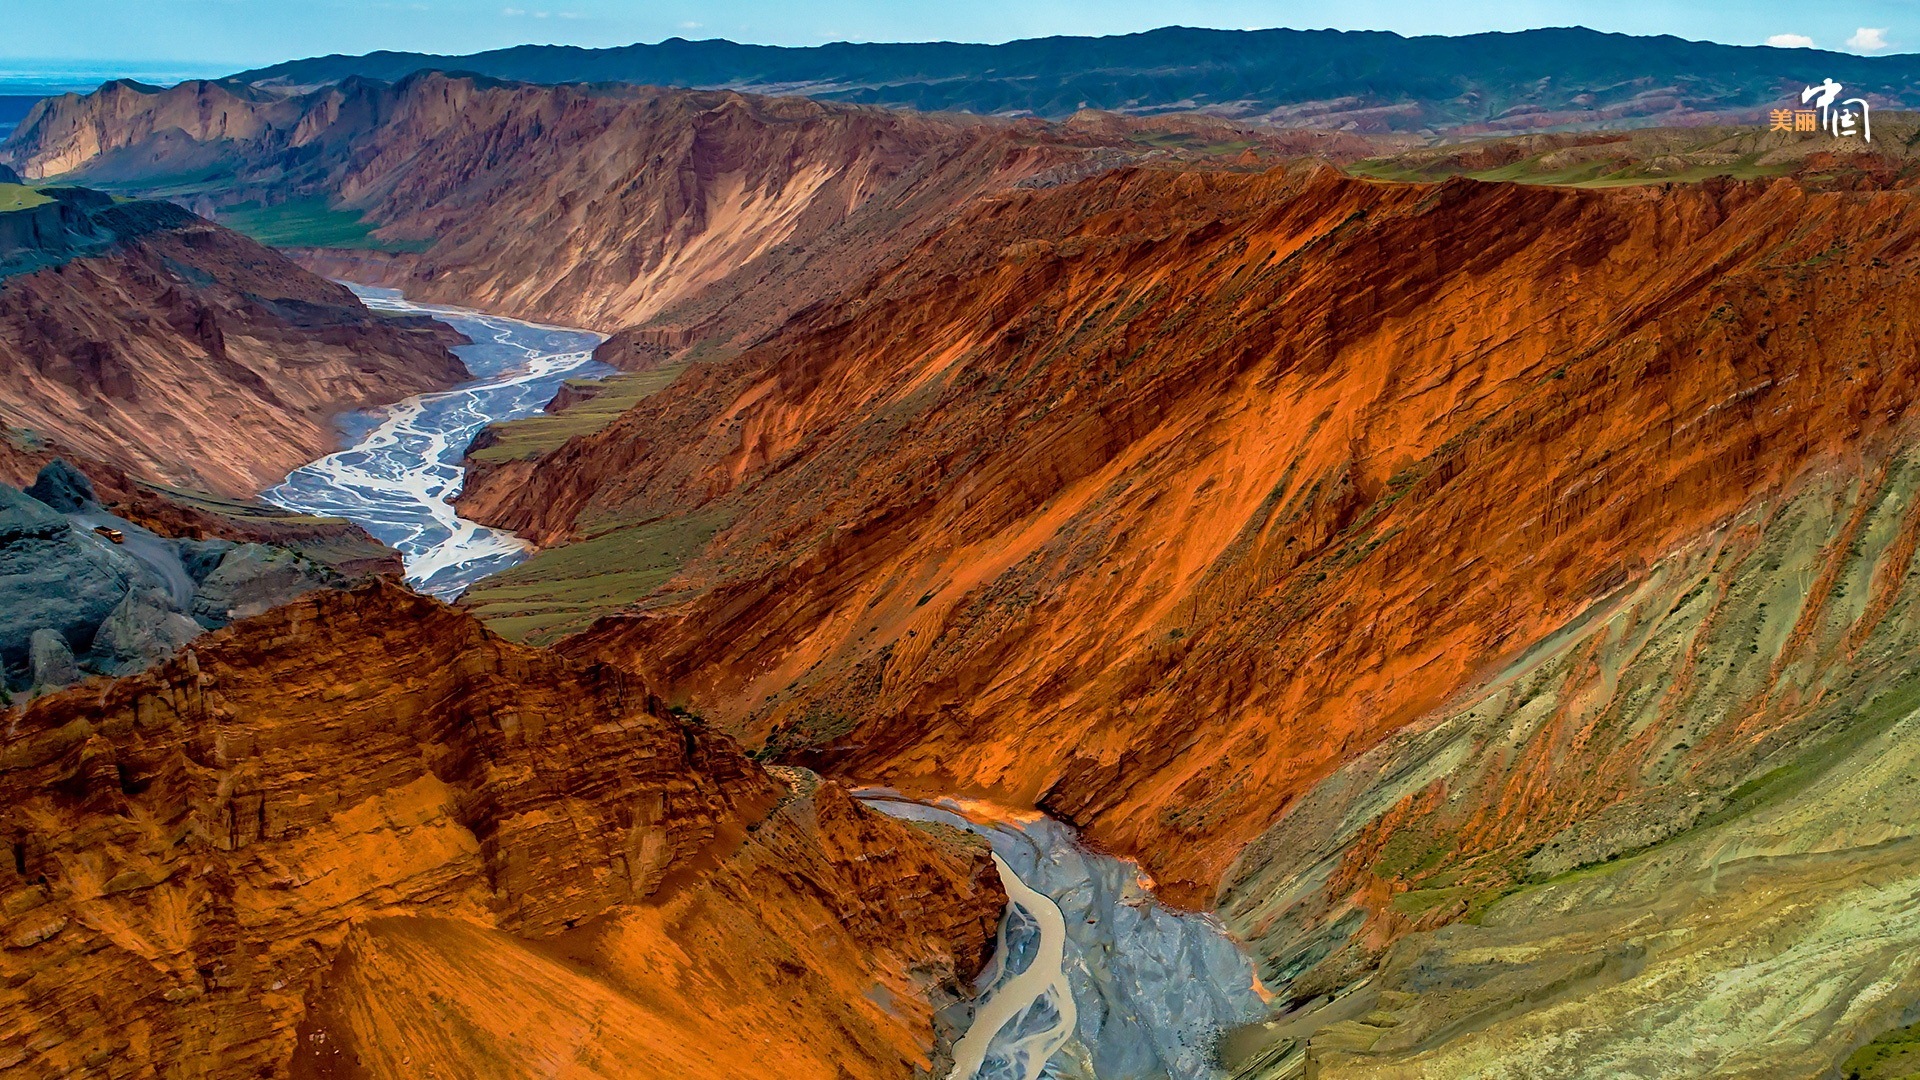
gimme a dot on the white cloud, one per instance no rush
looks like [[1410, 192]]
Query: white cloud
[[1790, 41], [1868, 39], [691, 25]]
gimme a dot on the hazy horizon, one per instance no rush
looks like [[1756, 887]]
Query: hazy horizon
[[197, 38]]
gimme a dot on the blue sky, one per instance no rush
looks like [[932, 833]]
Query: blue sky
[[213, 36]]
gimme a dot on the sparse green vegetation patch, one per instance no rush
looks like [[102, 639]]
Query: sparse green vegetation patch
[[519, 440], [1410, 852], [1190, 141], [818, 727], [1893, 1056], [20, 197], [1420, 901], [563, 589], [311, 223], [239, 509], [1592, 173]]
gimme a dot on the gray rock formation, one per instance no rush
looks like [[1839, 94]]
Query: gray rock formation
[[50, 661], [202, 557], [53, 576], [252, 578], [73, 601], [64, 488], [142, 630]]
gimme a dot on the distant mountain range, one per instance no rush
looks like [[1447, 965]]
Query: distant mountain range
[[1361, 80]]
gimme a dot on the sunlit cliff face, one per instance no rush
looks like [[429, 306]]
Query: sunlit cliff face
[[1494, 602], [1125, 498], [271, 847]]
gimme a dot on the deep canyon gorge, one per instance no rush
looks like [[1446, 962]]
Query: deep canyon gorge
[[561, 578]]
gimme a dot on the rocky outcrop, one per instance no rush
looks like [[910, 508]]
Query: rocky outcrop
[[50, 663], [139, 335], [569, 395], [63, 488], [261, 856], [54, 577], [119, 596], [247, 579], [335, 543], [143, 629]]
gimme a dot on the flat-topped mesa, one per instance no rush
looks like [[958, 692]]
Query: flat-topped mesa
[[1156, 498], [191, 845]]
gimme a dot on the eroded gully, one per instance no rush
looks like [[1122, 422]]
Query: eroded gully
[[1092, 979]]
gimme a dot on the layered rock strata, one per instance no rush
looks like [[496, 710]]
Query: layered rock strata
[[217, 864], [1156, 499], [142, 336]]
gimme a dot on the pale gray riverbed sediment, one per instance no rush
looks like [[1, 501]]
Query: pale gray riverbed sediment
[[404, 467], [1152, 988], [1093, 978]]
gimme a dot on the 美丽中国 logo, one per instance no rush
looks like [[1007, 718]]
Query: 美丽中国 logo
[[1821, 109]]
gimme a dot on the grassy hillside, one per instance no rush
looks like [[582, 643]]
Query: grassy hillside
[[563, 589], [19, 197], [520, 440], [311, 223]]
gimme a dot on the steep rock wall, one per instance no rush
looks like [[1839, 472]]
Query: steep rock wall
[[1157, 498], [182, 352], [190, 848]]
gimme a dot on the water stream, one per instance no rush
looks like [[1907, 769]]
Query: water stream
[[399, 477], [1093, 979]]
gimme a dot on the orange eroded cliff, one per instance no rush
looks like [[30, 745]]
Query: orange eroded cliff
[[811, 953], [194, 849], [1154, 499]]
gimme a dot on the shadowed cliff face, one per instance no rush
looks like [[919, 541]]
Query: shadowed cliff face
[[192, 846], [141, 336], [1157, 499], [711, 215]]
